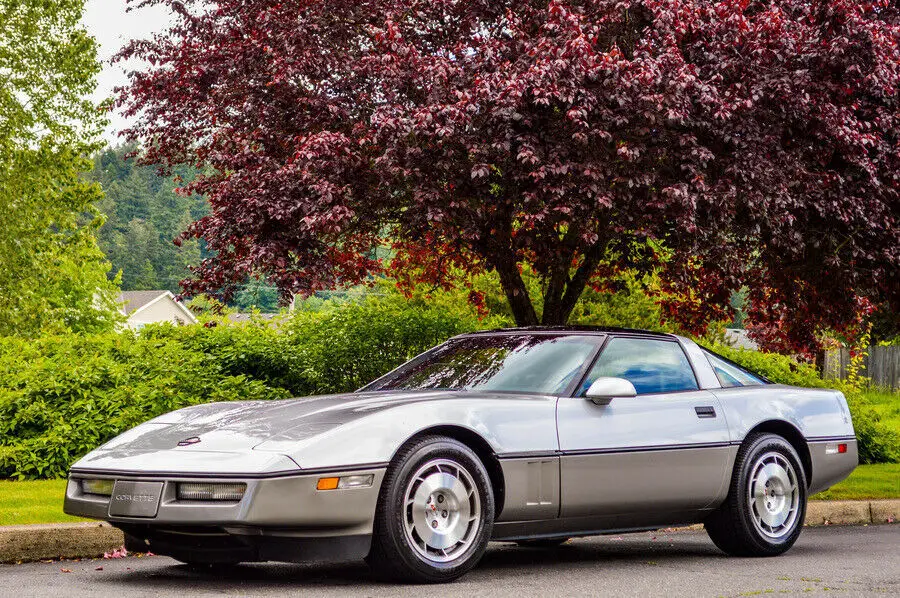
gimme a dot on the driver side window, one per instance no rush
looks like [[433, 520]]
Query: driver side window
[[652, 366]]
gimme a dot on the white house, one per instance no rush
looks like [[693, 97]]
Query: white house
[[147, 307], [737, 337]]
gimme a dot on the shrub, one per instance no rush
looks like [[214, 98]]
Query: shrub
[[62, 396], [878, 442]]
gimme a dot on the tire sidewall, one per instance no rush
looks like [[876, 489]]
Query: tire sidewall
[[760, 446], [394, 500]]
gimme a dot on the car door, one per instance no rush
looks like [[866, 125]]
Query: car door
[[667, 449]]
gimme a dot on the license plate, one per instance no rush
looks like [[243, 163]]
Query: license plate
[[135, 499]]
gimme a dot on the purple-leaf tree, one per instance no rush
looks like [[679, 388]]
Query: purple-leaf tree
[[725, 145]]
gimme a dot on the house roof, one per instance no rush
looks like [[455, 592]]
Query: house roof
[[134, 300]]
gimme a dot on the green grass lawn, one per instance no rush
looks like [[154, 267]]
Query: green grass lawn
[[866, 482], [33, 502], [41, 502], [887, 404]]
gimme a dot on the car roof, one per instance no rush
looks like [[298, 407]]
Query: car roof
[[572, 330]]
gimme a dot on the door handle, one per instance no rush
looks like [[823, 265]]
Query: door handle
[[705, 411]]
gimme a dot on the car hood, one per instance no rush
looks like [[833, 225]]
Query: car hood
[[238, 427]]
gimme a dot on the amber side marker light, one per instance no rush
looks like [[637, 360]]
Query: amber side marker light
[[346, 482], [327, 483]]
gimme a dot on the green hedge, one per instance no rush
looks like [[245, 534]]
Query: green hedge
[[62, 396]]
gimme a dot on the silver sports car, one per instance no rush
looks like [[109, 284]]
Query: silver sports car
[[527, 435]]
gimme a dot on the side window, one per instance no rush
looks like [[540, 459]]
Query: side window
[[730, 374], [651, 365]]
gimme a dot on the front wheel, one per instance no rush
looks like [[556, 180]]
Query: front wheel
[[435, 513], [766, 504]]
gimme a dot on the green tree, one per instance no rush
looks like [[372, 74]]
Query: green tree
[[53, 276], [144, 216], [256, 294]]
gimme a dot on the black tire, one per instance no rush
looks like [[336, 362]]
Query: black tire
[[542, 543], [737, 526], [393, 555]]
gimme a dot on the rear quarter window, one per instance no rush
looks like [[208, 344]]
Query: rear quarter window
[[730, 374]]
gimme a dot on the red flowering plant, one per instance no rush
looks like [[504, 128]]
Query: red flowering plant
[[757, 141]]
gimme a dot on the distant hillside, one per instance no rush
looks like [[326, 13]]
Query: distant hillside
[[144, 215]]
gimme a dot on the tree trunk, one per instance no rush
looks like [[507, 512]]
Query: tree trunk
[[516, 293], [560, 306]]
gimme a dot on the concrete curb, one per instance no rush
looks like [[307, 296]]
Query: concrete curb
[[852, 512], [21, 543]]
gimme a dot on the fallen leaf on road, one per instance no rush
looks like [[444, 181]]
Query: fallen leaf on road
[[66, 570], [118, 553]]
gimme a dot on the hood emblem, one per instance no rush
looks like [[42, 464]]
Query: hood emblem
[[189, 441]]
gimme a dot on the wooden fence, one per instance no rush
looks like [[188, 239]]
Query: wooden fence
[[881, 366]]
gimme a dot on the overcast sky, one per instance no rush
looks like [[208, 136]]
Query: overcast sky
[[107, 21]]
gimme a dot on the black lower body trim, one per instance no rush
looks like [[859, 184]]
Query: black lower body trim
[[214, 545], [613, 450], [831, 439]]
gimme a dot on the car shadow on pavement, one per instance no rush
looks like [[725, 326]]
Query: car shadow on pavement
[[500, 560]]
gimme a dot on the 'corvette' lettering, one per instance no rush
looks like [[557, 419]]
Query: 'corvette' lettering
[[135, 498]]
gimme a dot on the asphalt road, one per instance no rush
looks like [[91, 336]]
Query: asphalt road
[[839, 561]]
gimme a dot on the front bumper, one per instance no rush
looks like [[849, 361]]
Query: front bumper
[[287, 505]]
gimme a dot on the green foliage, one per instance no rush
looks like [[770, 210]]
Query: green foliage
[[256, 295], [337, 349], [879, 441], [144, 216], [629, 305], [52, 274], [343, 349], [62, 396]]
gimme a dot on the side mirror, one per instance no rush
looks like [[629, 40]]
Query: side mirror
[[604, 390]]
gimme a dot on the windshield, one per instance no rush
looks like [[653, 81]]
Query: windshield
[[528, 363]]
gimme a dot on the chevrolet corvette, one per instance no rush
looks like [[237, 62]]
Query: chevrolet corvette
[[531, 435]]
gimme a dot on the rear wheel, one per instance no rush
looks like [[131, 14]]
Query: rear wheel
[[435, 513], [763, 514]]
